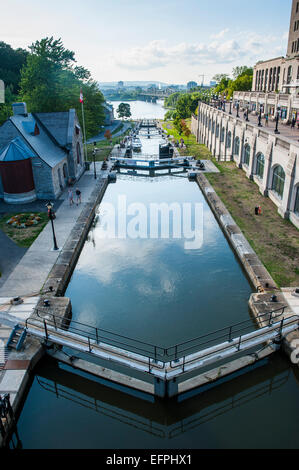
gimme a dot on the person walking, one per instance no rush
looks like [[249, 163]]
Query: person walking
[[78, 196], [70, 196], [293, 123], [266, 120]]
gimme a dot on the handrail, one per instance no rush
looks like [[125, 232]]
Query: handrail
[[229, 332], [153, 351], [177, 363], [100, 335]]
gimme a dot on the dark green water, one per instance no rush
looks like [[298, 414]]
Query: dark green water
[[157, 291], [257, 410]]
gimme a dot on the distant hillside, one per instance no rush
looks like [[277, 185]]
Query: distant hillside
[[132, 84]]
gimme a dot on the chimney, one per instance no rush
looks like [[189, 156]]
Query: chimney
[[19, 109]]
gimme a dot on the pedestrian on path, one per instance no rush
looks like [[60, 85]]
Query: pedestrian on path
[[293, 123], [71, 196], [266, 120], [78, 195]]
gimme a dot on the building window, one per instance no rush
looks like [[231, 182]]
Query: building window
[[270, 80], [278, 181], [278, 78], [217, 130], [213, 127], [237, 146], [79, 158], [210, 123], [289, 77], [222, 134], [260, 165], [296, 208], [266, 80], [246, 158], [229, 140]]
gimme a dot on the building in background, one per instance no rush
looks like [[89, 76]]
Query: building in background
[[275, 85], [120, 84], [281, 74], [109, 114], [191, 85], [40, 154]]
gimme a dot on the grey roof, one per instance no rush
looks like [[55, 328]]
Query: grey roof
[[59, 125], [107, 106], [42, 144], [8, 132]]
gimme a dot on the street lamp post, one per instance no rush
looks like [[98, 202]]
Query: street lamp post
[[260, 118], [237, 106], [51, 215], [247, 118], [277, 120], [230, 105], [94, 160]]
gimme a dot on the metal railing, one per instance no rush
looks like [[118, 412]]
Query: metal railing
[[172, 354], [98, 335], [222, 335], [188, 357]]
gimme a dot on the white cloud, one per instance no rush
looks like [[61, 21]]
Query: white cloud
[[240, 47], [220, 34]]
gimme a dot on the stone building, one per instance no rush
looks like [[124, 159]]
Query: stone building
[[49, 145], [281, 74], [271, 161], [109, 114]]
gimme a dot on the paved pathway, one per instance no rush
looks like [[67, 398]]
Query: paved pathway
[[10, 256], [31, 272], [285, 130], [112, 128]]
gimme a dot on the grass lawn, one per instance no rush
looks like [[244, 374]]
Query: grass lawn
[[23, 237], [275, 240], [104, 147], [200, 152]]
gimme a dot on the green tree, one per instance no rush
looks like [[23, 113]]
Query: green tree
[[241, 71], [219, 77], [124, 110], [50, 82], [11, 63]]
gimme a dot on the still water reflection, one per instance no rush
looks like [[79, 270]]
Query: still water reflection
[[154, 289], [256, 410]]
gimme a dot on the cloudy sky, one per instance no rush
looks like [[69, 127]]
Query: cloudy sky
[[172, 41]]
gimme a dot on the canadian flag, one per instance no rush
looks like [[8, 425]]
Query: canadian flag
[[81, 96]]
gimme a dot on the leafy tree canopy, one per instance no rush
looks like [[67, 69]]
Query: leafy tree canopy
[[124, 110], [50, 82]]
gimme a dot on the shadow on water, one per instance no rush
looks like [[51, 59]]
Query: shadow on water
[[68, 402]]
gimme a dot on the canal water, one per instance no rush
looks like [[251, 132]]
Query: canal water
[[142, 109], [156, 290]]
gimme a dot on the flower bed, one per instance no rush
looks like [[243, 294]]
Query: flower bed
[[23, 221]]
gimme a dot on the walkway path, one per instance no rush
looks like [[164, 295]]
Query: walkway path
[[285, 130], [10, 256], [112, 128], [30, 274]]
